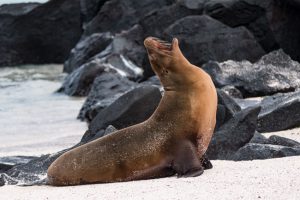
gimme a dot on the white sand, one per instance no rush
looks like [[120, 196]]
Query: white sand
[[260, 179]]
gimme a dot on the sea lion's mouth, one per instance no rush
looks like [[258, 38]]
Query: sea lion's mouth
[[158, 44]]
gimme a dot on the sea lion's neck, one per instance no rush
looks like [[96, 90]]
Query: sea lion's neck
[[175, 105], [180, 101], [190, 78]]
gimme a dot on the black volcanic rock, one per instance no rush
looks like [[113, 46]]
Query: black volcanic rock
[[89, 9], [155, 22], [131, 108], [115, 16], [274, 72], [105, 87], [253, 151], [284, 22], [195, 35], [79, 82], [279, 112], [249, 13], [278, 140], [232, 91], [227, 108], [17, 9], [88, 136], [234, 134], [125, 53], [4, 168], [86, 49], [44, 35], [259, 138], [233, 13], [32, 173]]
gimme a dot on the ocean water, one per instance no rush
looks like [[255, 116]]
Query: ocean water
[[34, 119]]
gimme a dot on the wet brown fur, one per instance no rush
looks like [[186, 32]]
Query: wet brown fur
[[172, 141]]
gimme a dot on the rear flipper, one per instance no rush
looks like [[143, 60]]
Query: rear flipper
[[186, 162], [206, 162]]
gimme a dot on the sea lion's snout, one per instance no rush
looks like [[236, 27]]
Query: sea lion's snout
[[158, 44]]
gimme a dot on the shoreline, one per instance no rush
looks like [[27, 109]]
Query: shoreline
[[258, 179]]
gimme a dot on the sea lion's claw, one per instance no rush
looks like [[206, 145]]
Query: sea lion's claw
[[206, 162]]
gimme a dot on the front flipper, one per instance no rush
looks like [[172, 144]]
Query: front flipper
[[186, 162]]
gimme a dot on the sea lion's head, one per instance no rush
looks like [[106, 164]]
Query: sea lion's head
[[168, 63]]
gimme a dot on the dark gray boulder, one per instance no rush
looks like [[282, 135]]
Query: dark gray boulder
[[88, 136], [232, 91], [155, 22], [195, 35], [227, 108], [279, 112], [131, 108], [7, 180], [278, 140], [273, 73], [284, 19], [259, 138], [5, 167], [79, 82], [105, 87], [89, 9], [254, 151], [233, 12], [46, 34], [115, 16], [249, 13], [234, 134], [32, 172], [16, 9], [86, 49], [125, 53]]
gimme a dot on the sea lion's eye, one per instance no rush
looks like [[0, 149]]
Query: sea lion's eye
[[167, 71]]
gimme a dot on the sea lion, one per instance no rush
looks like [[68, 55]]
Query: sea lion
[[172, 141]]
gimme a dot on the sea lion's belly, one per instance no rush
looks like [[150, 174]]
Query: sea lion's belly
[[124, 155]]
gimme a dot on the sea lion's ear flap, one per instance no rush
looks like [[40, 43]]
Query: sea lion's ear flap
[[175, 44]]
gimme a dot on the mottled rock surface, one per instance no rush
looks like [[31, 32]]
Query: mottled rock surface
[[105, 87], [195, 35], [279, 112], [86, 49], [131, 108], [116, 15], [273, 73], [227, 108], [234, 134], [253, 151], [46, 34], [80, 81]]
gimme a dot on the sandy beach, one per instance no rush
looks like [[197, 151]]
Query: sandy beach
[[259, 179]]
